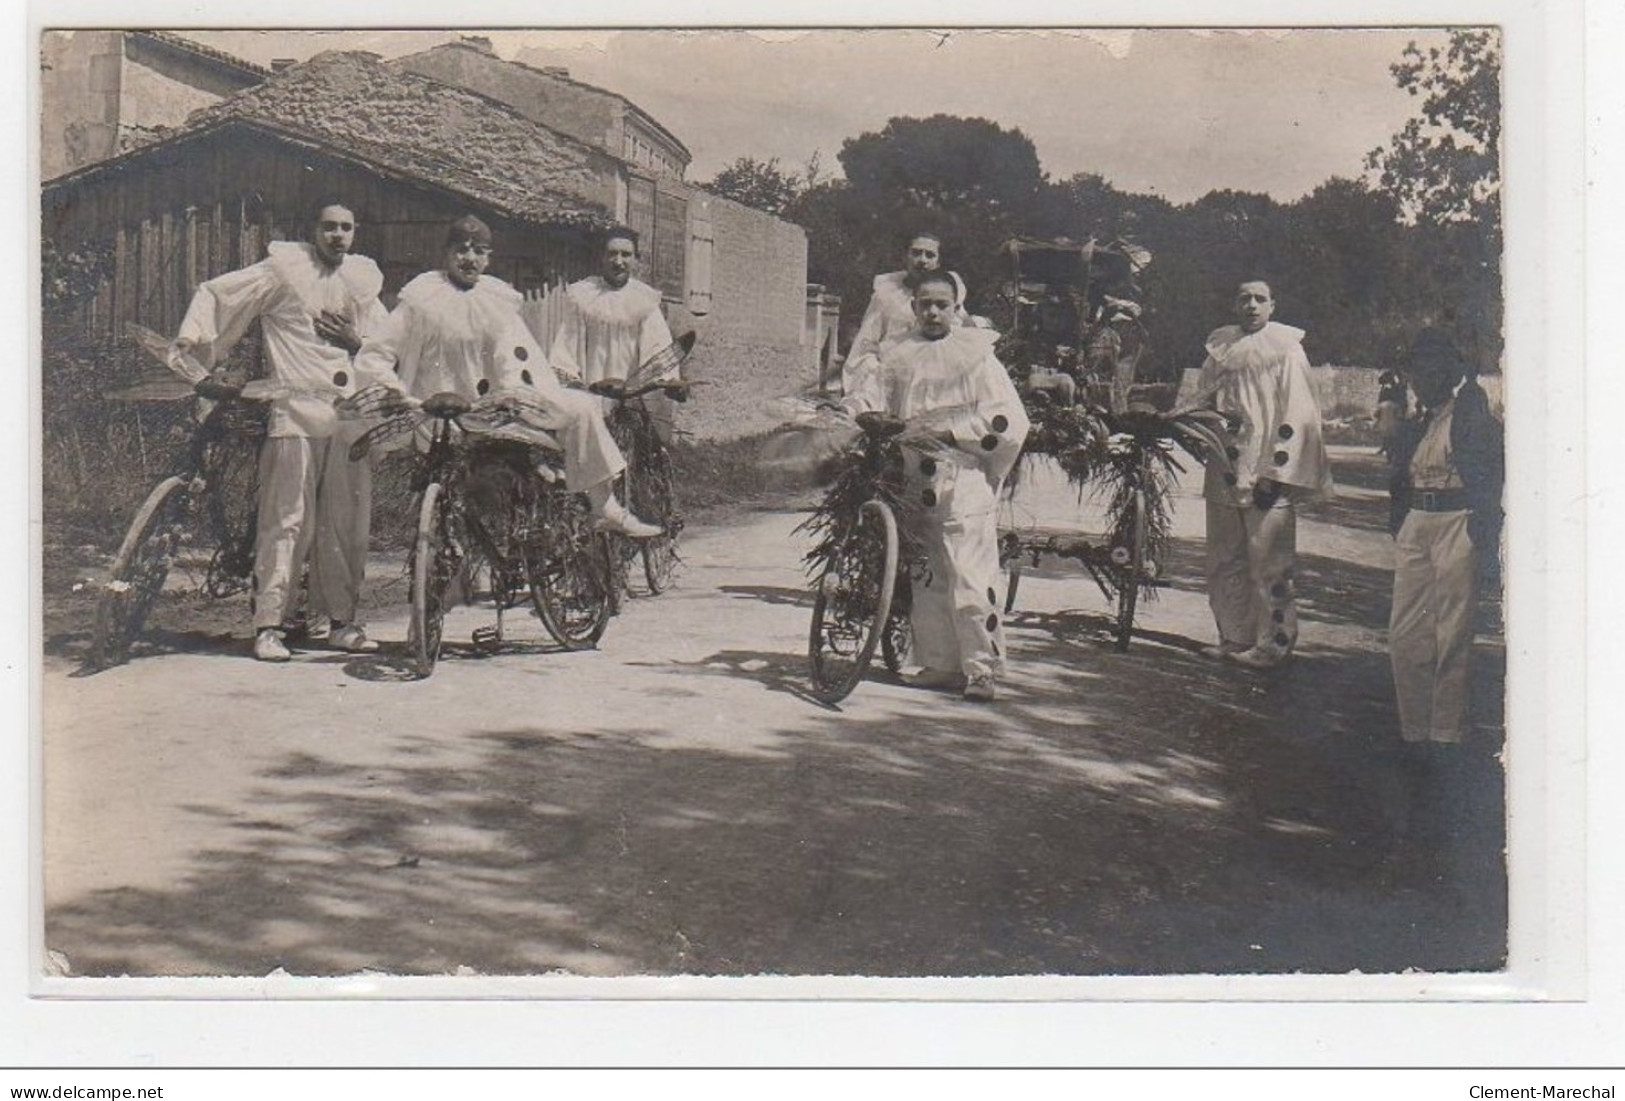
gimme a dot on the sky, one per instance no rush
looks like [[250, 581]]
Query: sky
[[1171, 112]]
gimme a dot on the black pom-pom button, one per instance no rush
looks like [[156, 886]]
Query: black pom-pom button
[[341, 378], [928, 467], [520, 353], [484, 387], [990, 442], [1000, 422], [1285, 431], [1282, 458]]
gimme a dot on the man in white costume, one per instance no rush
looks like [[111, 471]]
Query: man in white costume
[[613, 323], [315, 301], [890, 314], [1258, 376], [458, 330], [944, 378]]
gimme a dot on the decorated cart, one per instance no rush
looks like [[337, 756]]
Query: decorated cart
[[1075, 348]]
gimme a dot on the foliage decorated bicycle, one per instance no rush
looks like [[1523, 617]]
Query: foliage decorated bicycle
[[648, 488], [490, 498], [866, 556], [198, 521]]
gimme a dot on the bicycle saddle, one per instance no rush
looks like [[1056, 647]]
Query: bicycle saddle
[[880, 424], [446, 405]]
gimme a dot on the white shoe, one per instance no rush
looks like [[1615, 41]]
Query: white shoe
[[268, 645], [1254, 658], [980, 688], [618, 519], [353, 638]]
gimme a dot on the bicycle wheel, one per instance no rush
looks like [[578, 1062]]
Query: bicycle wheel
[[231, 466], [852, 604], [435, 562], [651, 495], [1131, 573], [570, 573], [139, 570]]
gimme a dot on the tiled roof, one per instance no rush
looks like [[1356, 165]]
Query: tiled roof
[[181, 42], [411, 126]]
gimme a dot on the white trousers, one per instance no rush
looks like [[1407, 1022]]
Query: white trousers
[[1430, 631], [1251, 554], [590, 455], [955, 615], [315, 504]]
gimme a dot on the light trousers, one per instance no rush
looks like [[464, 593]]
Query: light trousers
[[1430, 630], [1251, 556], [955, 615], [315, 505], [576, 418]]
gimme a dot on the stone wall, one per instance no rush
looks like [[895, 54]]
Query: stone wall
[[751, 339]]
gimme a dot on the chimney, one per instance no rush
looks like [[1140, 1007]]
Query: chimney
[[556, 70], [478, 41], [280, 63]]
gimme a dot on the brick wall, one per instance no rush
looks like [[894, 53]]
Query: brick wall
[[751, 341]]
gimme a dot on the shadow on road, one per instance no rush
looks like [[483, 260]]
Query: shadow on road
[[1151, 812]]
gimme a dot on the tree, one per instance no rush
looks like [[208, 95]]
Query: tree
[[760, 184], [1444, 168], [1445, 165]]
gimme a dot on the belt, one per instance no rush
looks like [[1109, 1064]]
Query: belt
[[1440, 500]]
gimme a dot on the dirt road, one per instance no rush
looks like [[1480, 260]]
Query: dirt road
[[673, 803]]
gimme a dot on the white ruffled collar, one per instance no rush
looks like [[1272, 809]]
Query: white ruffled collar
[[629, 304], [1231, 346], [296, 262]]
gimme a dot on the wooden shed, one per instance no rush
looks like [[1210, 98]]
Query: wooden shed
[[406, 153]]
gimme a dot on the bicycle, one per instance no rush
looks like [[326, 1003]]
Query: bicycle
[[647, 484], [202, 516], [864, 562], [490, 491]]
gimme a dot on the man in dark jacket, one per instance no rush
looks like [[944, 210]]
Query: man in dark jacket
[[1449, 468]]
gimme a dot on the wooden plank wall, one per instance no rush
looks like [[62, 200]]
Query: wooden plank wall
[[190, 214]]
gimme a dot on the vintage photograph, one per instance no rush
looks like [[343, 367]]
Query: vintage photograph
[[870, 503]]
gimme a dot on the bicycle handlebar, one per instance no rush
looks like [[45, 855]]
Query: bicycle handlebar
[[616, 388]]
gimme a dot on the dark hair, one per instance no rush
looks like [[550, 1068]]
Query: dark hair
[[621, 231], [940, 275], [314, 209], [1245, 279], [468, 228]]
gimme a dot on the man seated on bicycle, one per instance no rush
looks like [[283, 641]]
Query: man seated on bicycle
[[458, 330], [944, 378], [613, 326]]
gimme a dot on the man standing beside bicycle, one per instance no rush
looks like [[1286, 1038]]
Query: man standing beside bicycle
[[890, 313], [458, 330], [1257, 375], [315, 301], [944, 380]]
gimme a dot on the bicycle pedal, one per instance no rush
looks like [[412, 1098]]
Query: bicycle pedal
[[487, 638]]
